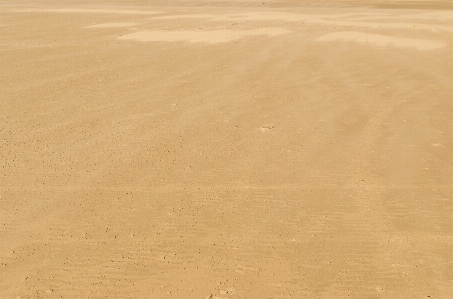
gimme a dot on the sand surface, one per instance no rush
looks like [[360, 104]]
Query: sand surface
[[226, 149]]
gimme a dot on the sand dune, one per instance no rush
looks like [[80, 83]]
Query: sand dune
[[226, 149]]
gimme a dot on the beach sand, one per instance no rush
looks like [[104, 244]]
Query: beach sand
[[226, 149]]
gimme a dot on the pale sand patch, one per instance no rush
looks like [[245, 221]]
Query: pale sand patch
[[382, 40], [434, 15], [210, 37], [383, 25], [93, 10], [112, 25], [437, 145]]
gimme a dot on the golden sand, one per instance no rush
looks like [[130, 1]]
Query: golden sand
[[226, 149]]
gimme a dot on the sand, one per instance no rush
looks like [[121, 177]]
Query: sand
[[226, 149]]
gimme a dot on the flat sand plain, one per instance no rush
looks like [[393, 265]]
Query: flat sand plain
[[226, 149]]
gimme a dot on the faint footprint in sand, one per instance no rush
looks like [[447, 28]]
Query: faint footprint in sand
[[227, 291], [264, 129]]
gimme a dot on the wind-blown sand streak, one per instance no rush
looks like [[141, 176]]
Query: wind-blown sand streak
[[210, 37], [112, 25], [343, 20], [383, 40], [120, 11]]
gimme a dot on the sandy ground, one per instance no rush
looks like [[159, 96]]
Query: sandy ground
[[226, 149]]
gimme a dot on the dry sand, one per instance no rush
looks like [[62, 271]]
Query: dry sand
[[226, 149]]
